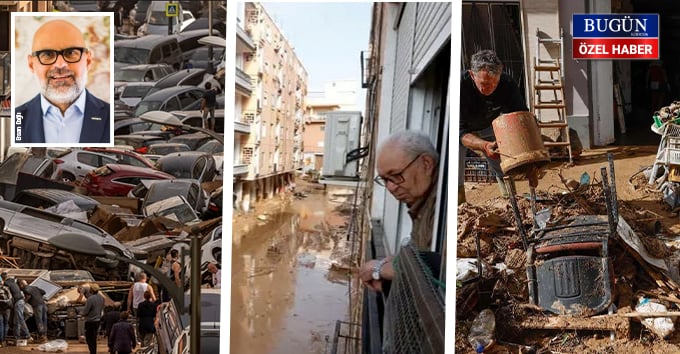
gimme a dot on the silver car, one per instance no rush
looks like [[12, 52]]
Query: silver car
[[27, 232], [76, 164]]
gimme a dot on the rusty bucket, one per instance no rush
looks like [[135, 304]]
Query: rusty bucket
[[520, 143]]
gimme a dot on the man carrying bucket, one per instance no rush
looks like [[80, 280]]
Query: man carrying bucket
[[485, 93]]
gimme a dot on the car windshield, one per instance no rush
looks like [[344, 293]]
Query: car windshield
[[130, 55], [159, 18], [211, 147], [146, 106], [135, 91], [129, 75], [182, 213]]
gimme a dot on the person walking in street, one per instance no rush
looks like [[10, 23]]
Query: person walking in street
[[94, 305], [146, 314], [486, 92], [34, 297], [208, 103], [136, 293], [122, 339], [20, 328], [6, 304], [174, 272], [216, 275], [110, 318]]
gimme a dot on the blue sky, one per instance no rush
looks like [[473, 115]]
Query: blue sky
[[327, 37]]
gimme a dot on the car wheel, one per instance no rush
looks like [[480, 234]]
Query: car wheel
[[68, 177]]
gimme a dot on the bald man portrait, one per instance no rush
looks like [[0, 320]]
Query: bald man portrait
[[64, 111]]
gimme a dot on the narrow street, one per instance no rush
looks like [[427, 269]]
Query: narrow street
[[285, 296]]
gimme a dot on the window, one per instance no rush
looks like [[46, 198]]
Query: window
[[199, 166], [133, 181], [172, 105], [185, 99], [88, 159], [155, 56]]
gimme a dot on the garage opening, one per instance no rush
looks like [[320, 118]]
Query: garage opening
[[640, 99]]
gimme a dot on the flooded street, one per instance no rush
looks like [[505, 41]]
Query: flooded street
[[285, 297]]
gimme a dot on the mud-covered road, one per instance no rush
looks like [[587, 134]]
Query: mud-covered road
[[285, 297]]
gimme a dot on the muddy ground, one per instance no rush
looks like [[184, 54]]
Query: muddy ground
[[290, 279], [505, 291]]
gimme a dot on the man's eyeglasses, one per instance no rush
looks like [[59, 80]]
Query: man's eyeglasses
[[49, 56], [395, 178]]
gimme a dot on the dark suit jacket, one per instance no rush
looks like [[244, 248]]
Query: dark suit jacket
[[93, 131]]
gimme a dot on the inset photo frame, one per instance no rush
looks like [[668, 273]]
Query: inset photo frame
[[62, 92]]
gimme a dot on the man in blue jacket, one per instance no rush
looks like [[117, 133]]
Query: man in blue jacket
[[64, 111]]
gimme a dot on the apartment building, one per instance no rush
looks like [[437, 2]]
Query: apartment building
[[243, 93], [274, 109], [407, 74]]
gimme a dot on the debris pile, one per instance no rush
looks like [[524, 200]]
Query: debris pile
[[644, 264]]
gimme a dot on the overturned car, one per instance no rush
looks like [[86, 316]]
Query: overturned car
[[26, 233]]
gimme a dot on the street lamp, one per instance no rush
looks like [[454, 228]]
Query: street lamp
[[85, 245], [165, 118]]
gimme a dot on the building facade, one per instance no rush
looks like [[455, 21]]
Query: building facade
[[407, 74], [337, 95], [274, 109]]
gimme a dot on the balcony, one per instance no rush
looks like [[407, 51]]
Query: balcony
[[240, 169], [240, 127], [244, 85], [244, 44]]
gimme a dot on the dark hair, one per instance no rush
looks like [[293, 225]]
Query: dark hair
[[208, 86], [174, 253], [124, 315], [147, 295], [486, 60]]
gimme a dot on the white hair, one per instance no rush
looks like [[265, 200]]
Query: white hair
[[411, 142]]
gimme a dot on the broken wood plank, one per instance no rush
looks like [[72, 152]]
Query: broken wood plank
[[619, 324]]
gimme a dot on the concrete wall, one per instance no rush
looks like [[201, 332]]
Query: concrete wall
[[314, 136]]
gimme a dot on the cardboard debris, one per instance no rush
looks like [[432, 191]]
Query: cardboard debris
[[108, 217]]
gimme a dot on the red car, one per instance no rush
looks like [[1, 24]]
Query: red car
[[115, 180]]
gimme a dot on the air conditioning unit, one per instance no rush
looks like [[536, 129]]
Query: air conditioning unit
[[342, 135]]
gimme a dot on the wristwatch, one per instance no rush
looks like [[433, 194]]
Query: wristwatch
[[376, 270]]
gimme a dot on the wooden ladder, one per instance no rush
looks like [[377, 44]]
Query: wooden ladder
[[549, 104]]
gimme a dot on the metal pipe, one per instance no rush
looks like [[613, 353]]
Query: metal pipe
[[210, 47], [195, 281], [515, 210], [615, 203]]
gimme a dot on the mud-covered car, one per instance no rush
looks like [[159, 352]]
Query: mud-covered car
[[26, 234]]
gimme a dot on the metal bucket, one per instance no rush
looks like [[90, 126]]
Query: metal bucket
[[520, 143]]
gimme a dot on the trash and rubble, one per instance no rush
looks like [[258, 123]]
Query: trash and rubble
[[53, 346], [637, 260]]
